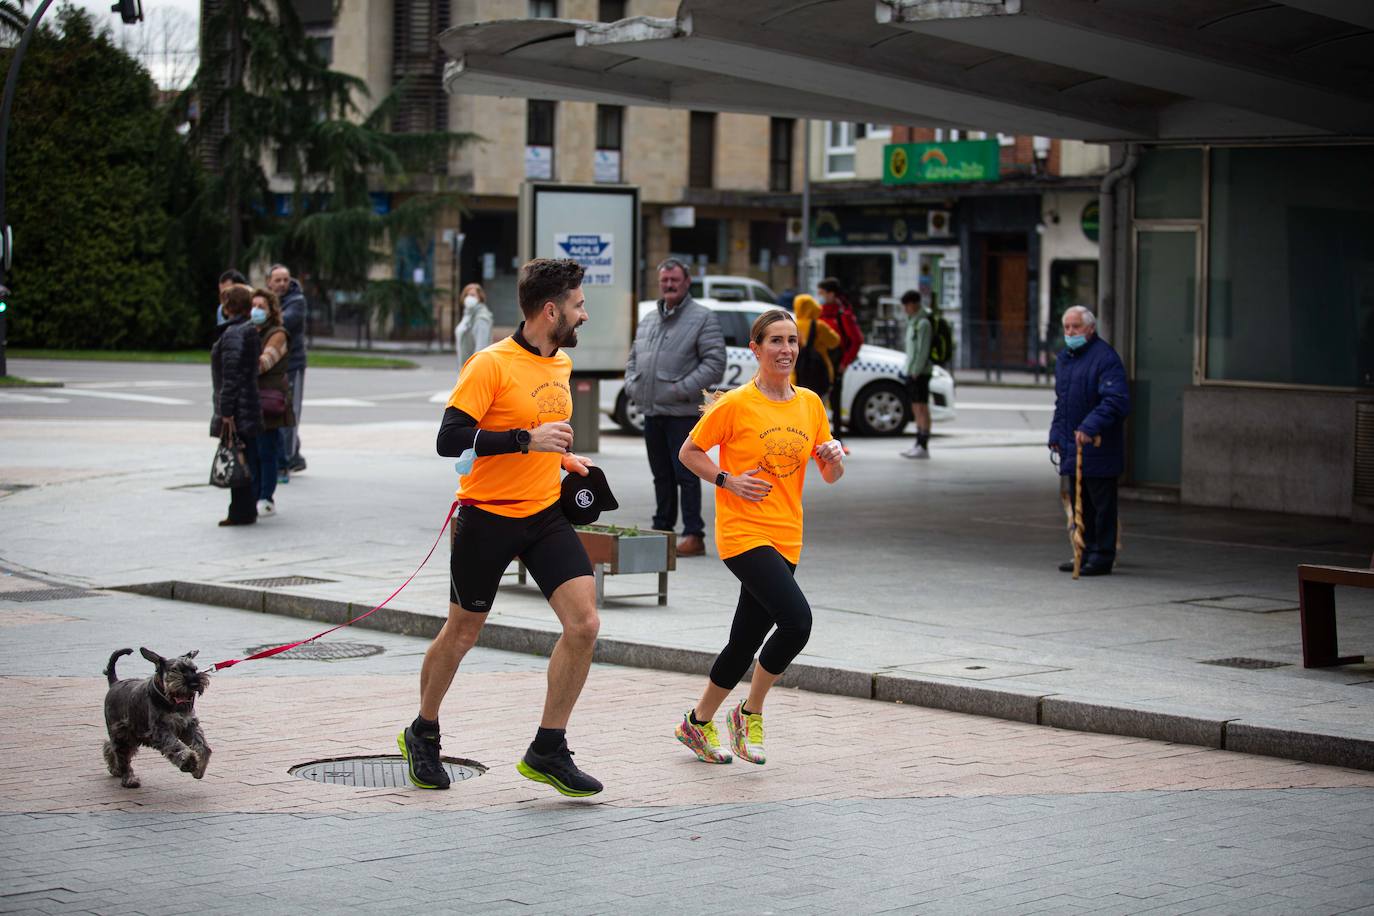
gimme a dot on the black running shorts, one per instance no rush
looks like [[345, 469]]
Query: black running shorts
[[485, 543], [918, 389]]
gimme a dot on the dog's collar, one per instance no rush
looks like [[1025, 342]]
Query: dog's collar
[[161, 694]]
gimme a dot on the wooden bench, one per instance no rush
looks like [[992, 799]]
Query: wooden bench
[[1317, 611]]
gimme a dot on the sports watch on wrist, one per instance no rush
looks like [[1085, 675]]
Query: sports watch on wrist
[[522, 439], [720, 479]]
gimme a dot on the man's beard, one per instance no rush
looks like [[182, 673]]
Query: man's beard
[[565, 333]]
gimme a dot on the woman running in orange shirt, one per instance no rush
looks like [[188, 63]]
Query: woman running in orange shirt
[[766, 430]]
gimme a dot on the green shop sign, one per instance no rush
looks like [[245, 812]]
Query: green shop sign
[[922, 163]]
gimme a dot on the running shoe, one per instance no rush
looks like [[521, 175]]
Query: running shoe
[[558, 770], [702, 740], [746, 733], [421, 752]]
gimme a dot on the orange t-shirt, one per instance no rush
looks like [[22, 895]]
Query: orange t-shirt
[[507, 387], [777, 436]]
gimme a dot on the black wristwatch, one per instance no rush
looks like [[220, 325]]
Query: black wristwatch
[[720, 479], [522, 439]]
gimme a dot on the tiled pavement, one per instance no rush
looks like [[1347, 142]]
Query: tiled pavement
[[863, 807]]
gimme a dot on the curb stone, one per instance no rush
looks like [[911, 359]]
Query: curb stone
[[1288, 740]]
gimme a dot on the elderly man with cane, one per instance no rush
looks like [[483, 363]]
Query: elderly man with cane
[[1091, 404]]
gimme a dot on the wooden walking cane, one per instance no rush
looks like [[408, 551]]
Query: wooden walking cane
[[1078, 510], [1078, 504]]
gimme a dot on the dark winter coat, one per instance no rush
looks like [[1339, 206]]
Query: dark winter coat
[[1090, 394], [234, 371], [293, 317]]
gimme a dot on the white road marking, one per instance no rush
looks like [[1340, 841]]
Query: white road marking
[[1015, 408], [402, 395], [441, 397], [335, 402], [141, 383], [14, 397], [125, 396]]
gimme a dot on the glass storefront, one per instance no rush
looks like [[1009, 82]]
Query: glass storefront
[[1291, 266]]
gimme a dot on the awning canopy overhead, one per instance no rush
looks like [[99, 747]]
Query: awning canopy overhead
[[1091, 69]]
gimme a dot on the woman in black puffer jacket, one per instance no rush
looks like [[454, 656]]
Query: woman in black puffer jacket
[[237, 410]]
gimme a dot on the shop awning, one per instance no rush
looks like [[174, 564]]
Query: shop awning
[[1101, 70]]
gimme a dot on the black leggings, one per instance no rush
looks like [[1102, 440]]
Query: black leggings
[[768, 595]]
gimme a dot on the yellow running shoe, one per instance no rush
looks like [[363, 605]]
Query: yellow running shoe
[[746, 733], [702, 740]]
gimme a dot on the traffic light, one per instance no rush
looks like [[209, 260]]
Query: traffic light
[[130, 11]]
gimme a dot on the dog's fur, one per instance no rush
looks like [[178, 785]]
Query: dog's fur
[[157, 711]]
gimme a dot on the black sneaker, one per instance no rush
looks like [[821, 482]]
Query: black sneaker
[[297, 464], [558, 770], [421, 752]]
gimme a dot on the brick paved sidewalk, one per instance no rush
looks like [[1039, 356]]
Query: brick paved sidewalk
[[820, 747], [863, 807]]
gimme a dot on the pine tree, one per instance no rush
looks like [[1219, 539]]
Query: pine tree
[[265, 91], [97, 185]]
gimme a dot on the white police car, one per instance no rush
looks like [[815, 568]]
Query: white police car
[[874, 400]]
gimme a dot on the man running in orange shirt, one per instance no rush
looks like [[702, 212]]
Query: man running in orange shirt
[[511, 408]]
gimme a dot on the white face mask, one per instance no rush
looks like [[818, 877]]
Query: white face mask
[[470, 301]]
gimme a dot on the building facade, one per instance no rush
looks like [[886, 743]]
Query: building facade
[[1003, 257], [716, 189]]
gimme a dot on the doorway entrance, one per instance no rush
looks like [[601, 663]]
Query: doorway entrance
[[1002, 332]]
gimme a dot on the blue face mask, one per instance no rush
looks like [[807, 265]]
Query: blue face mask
[[258, 315], [1074, 341]]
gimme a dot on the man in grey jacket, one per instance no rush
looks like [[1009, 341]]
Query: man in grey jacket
[[678, 351]]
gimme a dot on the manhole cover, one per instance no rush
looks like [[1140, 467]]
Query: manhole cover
[[377, 772], [46, 594], [1250, 604], [281, 581], [1242, 662], [322, 651]]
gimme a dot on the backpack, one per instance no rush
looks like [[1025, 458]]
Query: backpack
[[941, 340], [811, 370]]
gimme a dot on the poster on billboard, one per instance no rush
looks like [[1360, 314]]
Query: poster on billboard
[[595, 251], [597, 226]]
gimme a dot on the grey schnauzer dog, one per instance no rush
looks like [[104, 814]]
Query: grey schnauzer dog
[[157, 712]]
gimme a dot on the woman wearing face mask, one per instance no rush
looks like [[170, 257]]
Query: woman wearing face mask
[[474, 330], [274, 390], [237, 410], [767, 430]]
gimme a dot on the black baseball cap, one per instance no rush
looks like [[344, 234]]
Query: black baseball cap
[[585, 498]]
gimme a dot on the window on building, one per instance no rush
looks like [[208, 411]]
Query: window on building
[[839, 149], [543, 9], [977, 135], [1290, 285], [1006, 139], [610, 10], [877, 131], [610, 126], [946, 134], [781, 132], [540, 120], [703, 245], [701, 166], [417, 60]]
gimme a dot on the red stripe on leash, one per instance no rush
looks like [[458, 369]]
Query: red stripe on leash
[[277, 650]]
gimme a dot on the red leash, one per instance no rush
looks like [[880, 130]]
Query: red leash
[[268, 653]]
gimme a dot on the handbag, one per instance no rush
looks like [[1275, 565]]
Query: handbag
[[273, 402], [229, 468]]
